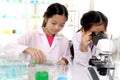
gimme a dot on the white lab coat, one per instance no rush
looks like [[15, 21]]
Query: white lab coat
[[37, 39], [81, 58]]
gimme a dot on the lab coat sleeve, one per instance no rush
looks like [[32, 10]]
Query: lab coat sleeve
[[67, 54], [81, 58], [65, 50], [17, 46]]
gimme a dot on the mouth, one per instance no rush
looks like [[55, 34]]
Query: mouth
[[55, 31]]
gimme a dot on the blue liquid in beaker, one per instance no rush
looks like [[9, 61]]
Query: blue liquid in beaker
[[62, 78]]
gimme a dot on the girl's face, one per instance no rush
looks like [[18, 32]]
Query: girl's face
[[54, 24], [97, 29]]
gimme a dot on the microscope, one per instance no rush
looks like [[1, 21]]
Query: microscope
[[103, 61]]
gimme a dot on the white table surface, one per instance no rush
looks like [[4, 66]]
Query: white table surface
[[74, 72]]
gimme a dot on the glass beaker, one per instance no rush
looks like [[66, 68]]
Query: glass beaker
[[41, 75], [41, 72]]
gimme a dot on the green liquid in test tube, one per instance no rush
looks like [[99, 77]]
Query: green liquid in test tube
[[41, 75]]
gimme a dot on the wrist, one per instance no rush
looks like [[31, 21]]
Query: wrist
[[83, 48]]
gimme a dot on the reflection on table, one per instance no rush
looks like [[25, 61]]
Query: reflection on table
[[74, 72]]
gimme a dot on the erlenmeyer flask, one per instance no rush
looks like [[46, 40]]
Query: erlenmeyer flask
[[62, 73]]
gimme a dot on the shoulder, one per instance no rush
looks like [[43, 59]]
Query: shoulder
[[77, 35], [35, 32], [31, 33]]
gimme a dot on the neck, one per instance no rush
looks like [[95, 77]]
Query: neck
[[47, 32]]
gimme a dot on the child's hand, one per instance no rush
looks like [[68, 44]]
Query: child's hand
[[62, 63], [85, 41], [38, 55]]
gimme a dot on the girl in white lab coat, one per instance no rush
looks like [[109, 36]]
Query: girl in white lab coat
[[46, 43], [91, 22]]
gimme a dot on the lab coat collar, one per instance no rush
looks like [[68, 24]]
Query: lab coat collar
[[57, 36]]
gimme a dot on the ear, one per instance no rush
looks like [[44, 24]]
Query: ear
[[46, 19], [83, 30]]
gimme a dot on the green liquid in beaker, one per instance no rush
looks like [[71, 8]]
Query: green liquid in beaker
[[41, 75]]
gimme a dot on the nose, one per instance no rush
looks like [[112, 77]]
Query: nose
[[56, 27]]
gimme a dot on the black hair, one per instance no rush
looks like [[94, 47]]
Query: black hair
[[53, 9], [93, 18]]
